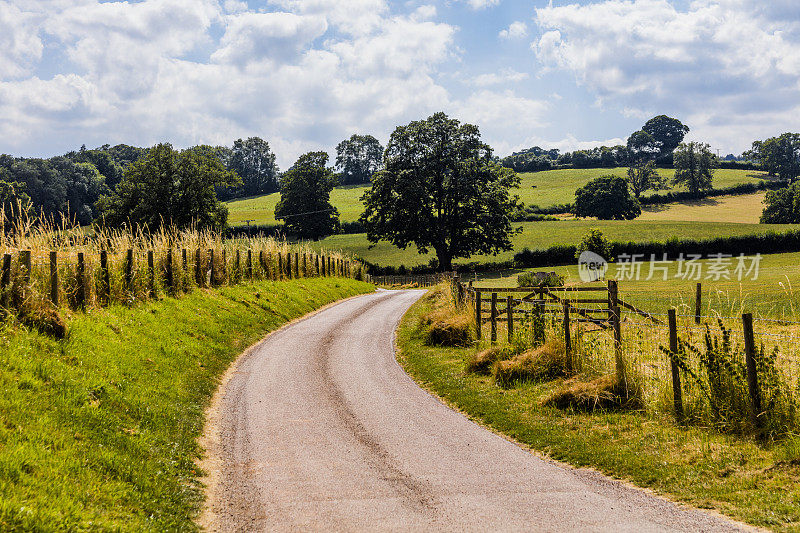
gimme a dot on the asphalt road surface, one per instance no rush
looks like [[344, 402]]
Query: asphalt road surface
[[320, 429]]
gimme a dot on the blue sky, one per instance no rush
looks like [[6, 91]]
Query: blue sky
[[305, 74]]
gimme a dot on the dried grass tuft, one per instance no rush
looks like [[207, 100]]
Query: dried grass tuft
[[604, 392], [538, 364], [482, 362]]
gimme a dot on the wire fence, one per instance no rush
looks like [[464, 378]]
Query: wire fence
[[737, 372]]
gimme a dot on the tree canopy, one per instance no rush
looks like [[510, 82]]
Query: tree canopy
[[305, 198], [644, 177], [667, 132], [780, 156], [782, 206], [254, 162], [441, 190], [170, 188], [358, 158], [58, 186], [607, 198], [694, 166]]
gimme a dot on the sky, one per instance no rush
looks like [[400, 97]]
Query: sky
[[305, 74]]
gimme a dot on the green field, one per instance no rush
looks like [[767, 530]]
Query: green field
[[544, 189], [774, 294], [548, 233]]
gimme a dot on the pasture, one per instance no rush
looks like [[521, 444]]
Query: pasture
[[551, 187], [774, 294], [549, 233]]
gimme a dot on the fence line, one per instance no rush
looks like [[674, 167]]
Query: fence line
[[79, 279], [612, 319]]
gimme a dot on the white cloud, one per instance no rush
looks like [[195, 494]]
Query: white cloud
[[355, 17], [505, 76], [482, 4], [516, 30], [718, 64], [502, 116], [152, 71], [278, 37], [20, 45]]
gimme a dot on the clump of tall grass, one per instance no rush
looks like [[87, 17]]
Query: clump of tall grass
[[715, 378], [545, 362], [448, 324]]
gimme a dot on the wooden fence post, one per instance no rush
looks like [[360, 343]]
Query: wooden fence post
[[185, 269], [198, 268], [567, 339], [296, 265], [237, 266], [510, 317], [5, 281], [752, 373], [698, 302], [279, 275], [129, 270], [54, 278], [676, 376], [478, 317], [151, 273], [105, 288], [616, 323], [493, 317], [289, 265], [262, 261], [223, 266], [80, 296], [249, 263], [316, 265], [170, 274], [305, 267], [212, 270]]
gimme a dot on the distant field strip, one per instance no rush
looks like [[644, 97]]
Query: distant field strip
[[552, 187]]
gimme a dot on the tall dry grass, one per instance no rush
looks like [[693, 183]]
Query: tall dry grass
[[195, 258]]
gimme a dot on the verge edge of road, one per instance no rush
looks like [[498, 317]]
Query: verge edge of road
[[582, 471], [209, 441]]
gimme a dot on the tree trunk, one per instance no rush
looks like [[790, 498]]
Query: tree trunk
[[445, 260]]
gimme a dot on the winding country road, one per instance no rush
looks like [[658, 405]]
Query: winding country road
[[320, 429]]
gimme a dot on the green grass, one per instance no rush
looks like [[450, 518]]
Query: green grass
[[548, 233], [544, 189], [99, 432], [555, 187], [700, 467], [775, 294], [261, 209]]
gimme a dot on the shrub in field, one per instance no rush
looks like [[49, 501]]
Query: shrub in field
[[540, 279], [607, 198]]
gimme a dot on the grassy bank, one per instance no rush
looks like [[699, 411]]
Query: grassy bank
[[99, 431], [734, 475]]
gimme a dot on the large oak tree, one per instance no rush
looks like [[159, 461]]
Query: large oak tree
[[441, 190], [305, 205]]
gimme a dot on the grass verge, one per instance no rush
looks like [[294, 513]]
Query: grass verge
[[732, 475], [99, 431]]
